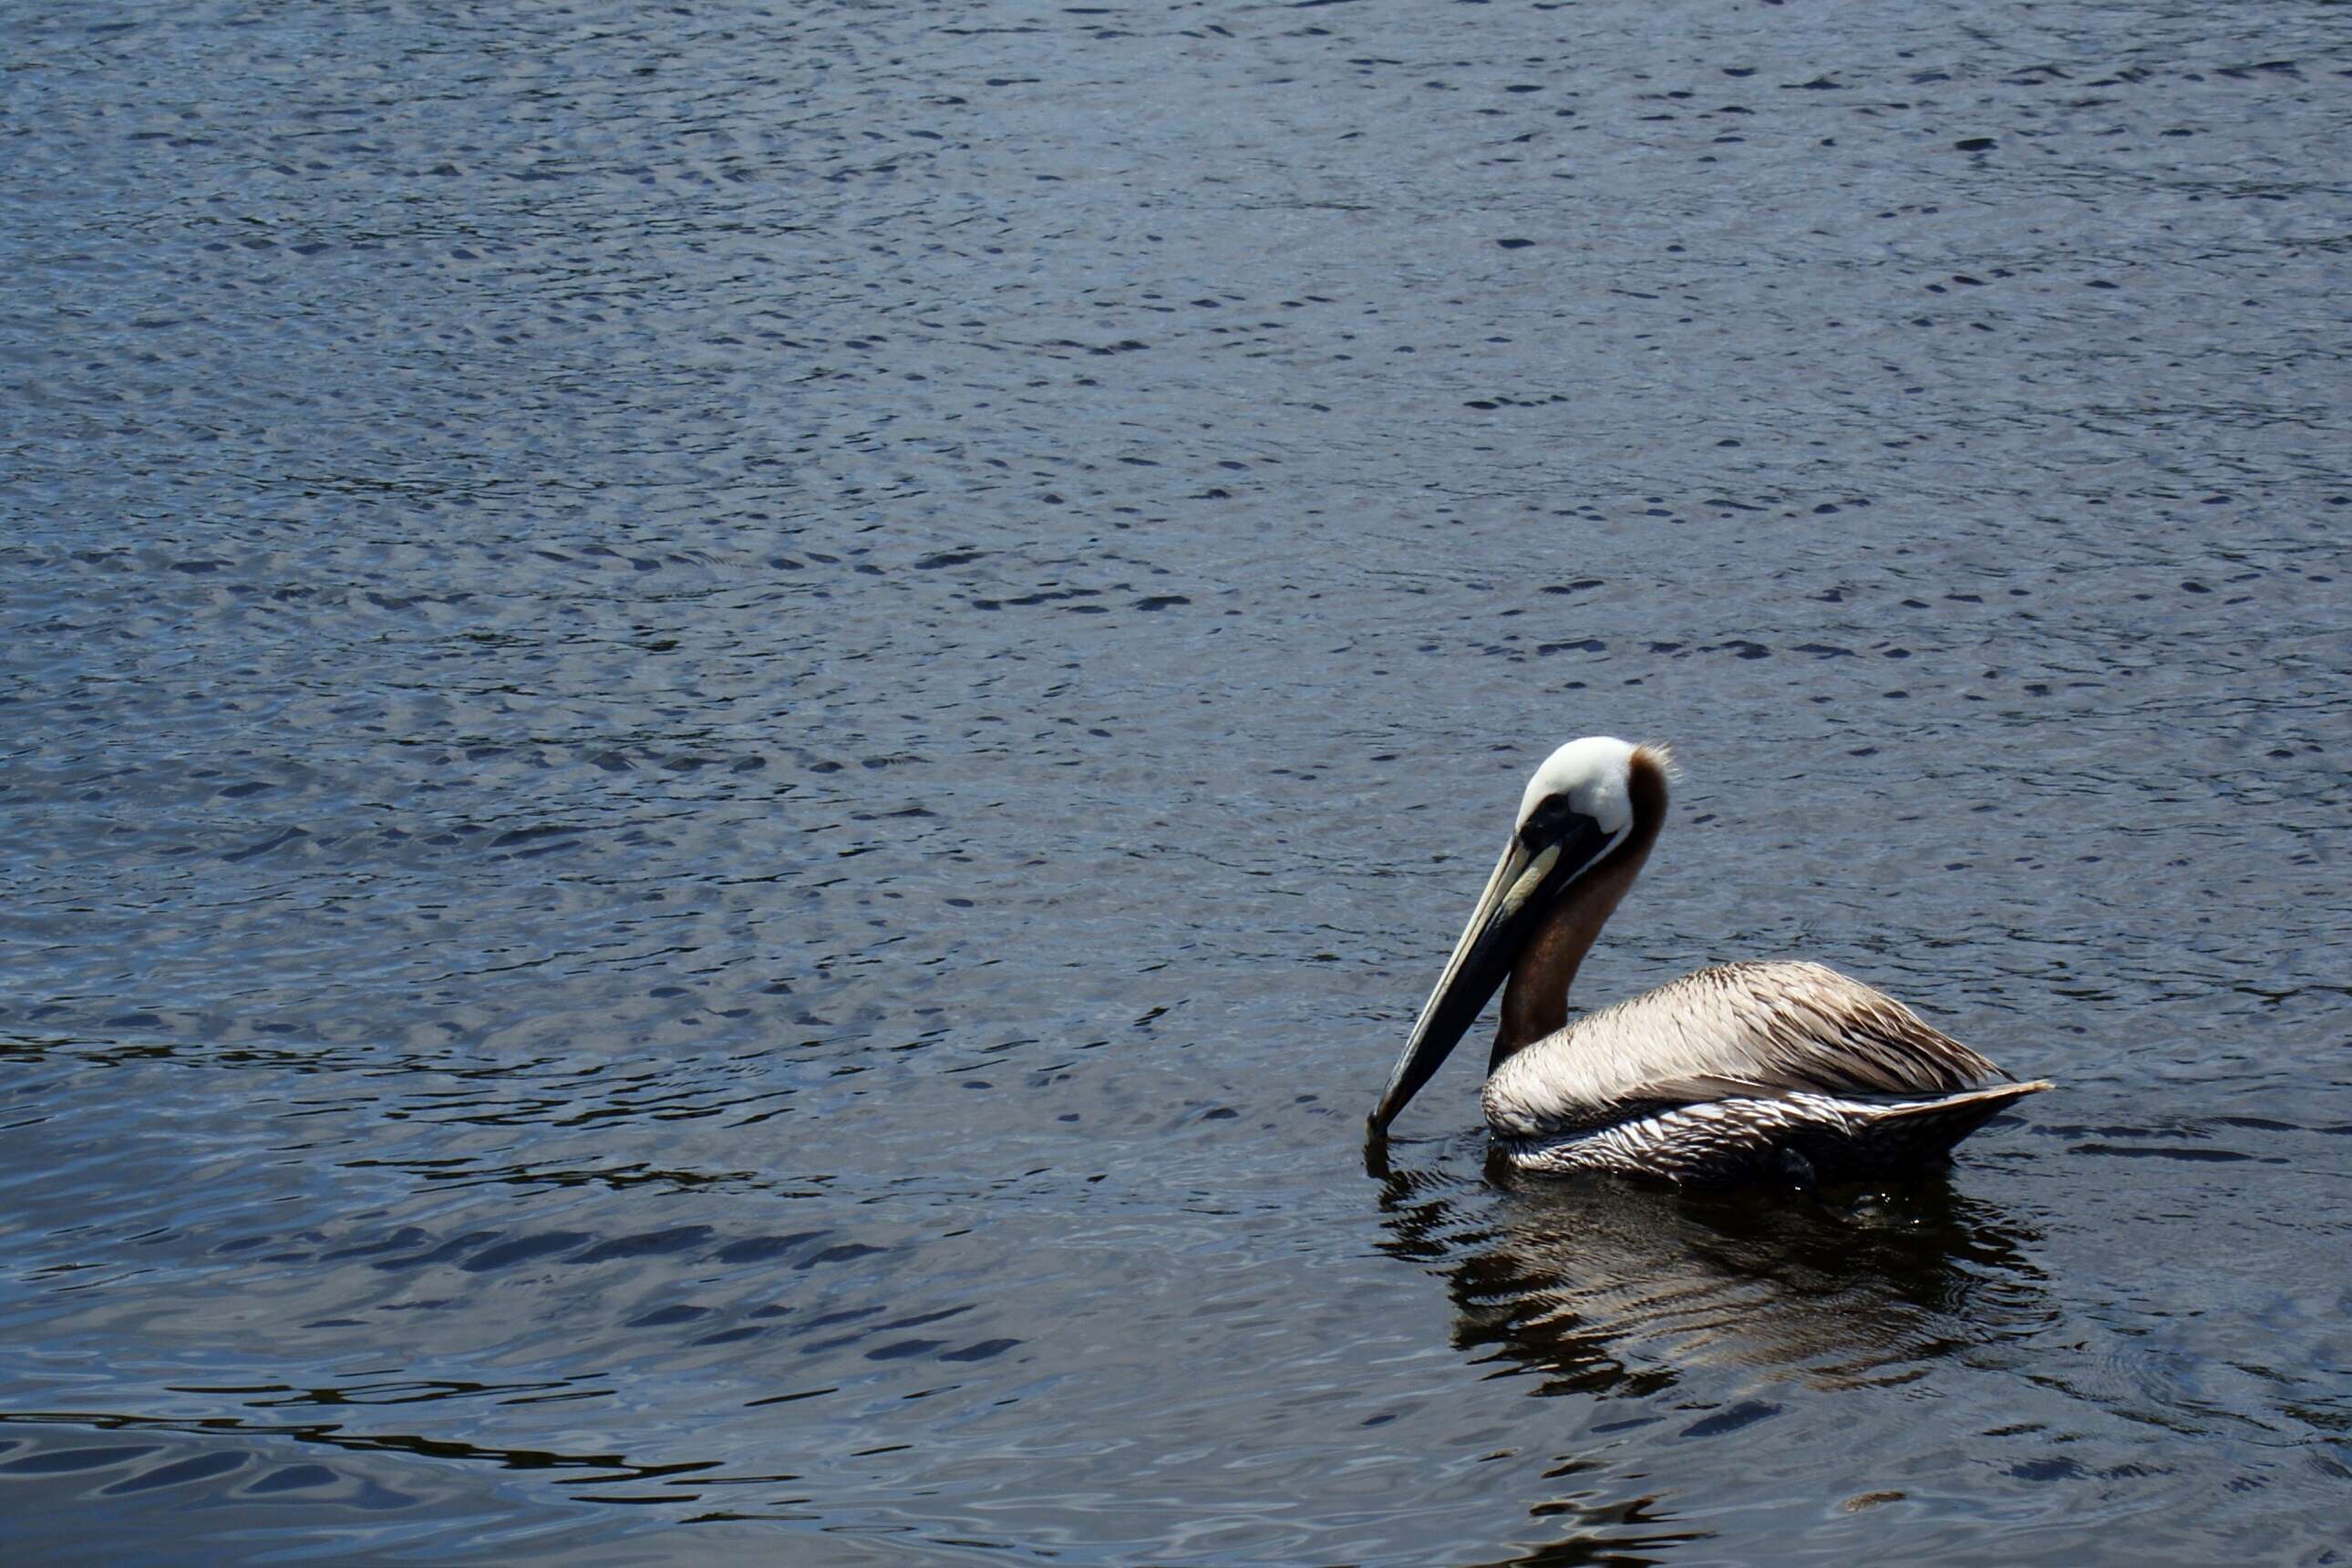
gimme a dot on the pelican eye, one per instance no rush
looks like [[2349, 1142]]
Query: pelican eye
[[1544, 823]]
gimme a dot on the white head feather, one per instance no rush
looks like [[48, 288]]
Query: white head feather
[[1595, 774]]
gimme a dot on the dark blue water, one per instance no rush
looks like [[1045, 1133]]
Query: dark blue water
[[732, 739]]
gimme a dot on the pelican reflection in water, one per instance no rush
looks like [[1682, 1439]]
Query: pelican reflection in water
[[1624, 1288], [1737, 1071]]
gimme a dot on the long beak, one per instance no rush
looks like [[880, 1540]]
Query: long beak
[[1484, 953]]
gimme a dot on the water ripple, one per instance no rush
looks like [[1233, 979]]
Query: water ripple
[[732, 740]]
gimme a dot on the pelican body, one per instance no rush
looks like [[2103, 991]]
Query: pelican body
[[1741, 1070]]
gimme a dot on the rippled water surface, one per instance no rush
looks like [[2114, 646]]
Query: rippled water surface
[[734, 738]]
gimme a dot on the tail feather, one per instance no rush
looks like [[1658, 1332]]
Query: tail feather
[[1922, 1129]]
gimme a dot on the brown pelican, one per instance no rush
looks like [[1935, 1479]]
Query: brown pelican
[[1742, 1069]]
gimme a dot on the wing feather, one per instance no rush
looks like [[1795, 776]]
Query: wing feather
[[1763, 1030]]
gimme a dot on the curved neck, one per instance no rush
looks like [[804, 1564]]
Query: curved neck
[[1535, 1001]]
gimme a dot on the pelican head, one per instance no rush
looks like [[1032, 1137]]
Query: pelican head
[[1592, 808]]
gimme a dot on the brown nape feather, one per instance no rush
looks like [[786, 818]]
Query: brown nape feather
[[1535, 1001]]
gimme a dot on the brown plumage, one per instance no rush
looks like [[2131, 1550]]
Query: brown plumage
[[1805, 1056]]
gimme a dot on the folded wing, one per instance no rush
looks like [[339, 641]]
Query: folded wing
[[1762, 1030]]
